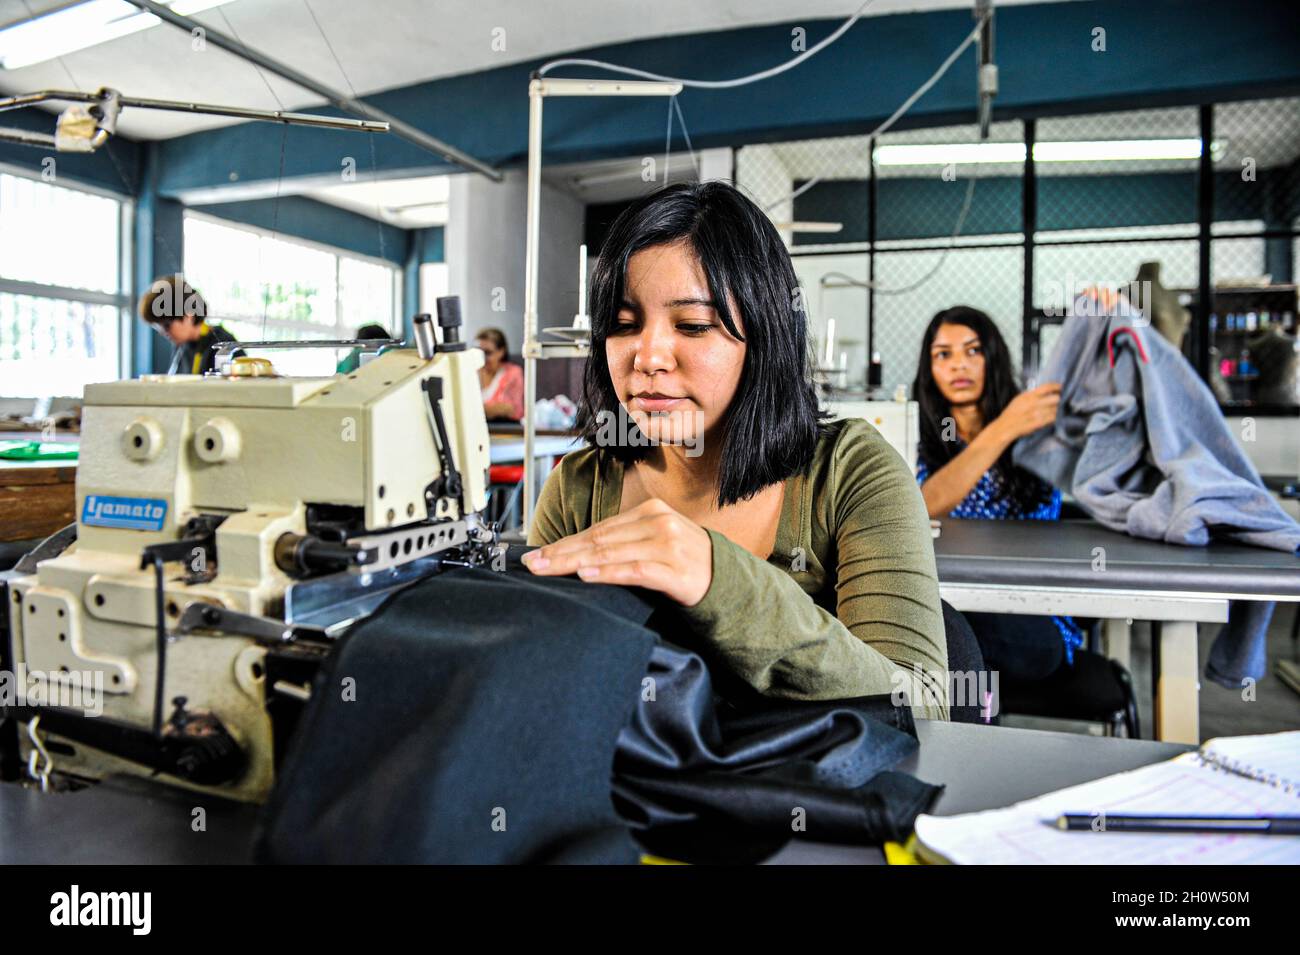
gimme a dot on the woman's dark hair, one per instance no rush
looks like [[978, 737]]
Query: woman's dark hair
[[999, 388], [498, 339], [772, 425], [372, 332], [169, 299]]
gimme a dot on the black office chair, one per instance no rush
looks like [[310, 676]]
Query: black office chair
[[1094, 689], [963, 657]]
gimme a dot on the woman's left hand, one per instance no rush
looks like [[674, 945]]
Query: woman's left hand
[[651, 546]]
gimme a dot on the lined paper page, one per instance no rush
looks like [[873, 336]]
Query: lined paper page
[[1275, 756], [1026, 832]]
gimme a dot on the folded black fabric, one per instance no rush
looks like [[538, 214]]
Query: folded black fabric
[[706, 780], [487, 707]]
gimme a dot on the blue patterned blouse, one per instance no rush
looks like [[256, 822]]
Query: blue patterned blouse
[[987, 500]]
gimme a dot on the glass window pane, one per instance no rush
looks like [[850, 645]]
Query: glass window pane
[[222, 264], [366, 295], [435, 282], [248, 277], [1113, 171], [1256, 164], [308, 362], [53, 347], [300, 285], [264, 288], [1063, 271], [906, 300], [57, 236]]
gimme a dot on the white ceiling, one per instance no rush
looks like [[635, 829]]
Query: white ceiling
[[409, 203], [381, 44]]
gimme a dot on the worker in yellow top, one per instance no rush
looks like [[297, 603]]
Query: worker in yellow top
[[179, 314]]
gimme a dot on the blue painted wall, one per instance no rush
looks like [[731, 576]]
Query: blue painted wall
[[928, 208], [315, 221], [432, 245]]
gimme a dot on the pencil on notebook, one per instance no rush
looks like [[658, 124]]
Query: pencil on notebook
[[1259, 825]]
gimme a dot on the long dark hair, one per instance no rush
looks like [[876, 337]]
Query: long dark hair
[[773, 423], [1000, 387]]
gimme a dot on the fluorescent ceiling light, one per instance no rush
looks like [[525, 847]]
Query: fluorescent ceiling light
[[810, 226], [943, 154], [1116, 149], [80, 26]]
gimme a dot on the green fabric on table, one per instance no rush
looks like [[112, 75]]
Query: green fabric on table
[[38, 451]]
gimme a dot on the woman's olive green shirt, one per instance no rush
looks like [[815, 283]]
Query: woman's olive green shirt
[[846, 605]]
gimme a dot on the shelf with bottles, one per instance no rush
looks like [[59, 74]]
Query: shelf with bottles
[[1249, 323], [1245, 322], [1247, 310]]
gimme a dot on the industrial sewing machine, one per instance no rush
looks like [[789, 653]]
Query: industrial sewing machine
[[230, 526]]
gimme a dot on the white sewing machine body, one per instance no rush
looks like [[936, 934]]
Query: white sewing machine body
[[273, 511], [898, 421]]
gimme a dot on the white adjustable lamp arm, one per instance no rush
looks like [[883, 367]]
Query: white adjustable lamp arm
[[538, 89]]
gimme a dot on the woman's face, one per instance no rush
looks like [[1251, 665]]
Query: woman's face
[[957, 363], [492, 355], [674, 366], [181, 331]]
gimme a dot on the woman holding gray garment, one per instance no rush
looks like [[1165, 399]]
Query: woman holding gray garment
[[971, 416]]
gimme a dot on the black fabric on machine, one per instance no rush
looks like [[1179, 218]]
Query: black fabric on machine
[[476, 692], [481, 691]]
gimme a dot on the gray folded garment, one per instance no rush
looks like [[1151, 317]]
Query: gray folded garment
[[1144, 449]]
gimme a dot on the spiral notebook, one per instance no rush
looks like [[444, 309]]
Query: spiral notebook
[[1242, 775], [1273, 758]]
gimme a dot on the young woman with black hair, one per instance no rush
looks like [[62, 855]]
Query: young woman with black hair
[[972, 414], [797, 549]]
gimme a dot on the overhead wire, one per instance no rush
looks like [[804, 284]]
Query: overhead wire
[[279, 181], [374, 161], [777, 70]]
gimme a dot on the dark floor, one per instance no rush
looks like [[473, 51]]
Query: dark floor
[[1223, 711]]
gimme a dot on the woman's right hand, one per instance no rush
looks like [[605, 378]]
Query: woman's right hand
[[1030, 410]]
